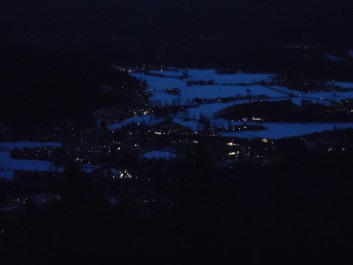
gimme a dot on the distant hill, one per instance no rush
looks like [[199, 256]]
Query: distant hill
[[163, 30], [45, 86]]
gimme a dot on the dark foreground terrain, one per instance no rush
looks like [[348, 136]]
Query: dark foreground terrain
[[295, 211]]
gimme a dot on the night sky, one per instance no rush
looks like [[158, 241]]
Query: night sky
[[222, 22]]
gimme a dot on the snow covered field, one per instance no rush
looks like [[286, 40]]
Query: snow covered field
[[225, 86], [159, 155], [237, 88], [23, 144], [210, 74], [8, 164]]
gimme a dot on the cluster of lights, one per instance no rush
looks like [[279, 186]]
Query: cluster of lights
[[256, 119], [123, 175], [234, 153]]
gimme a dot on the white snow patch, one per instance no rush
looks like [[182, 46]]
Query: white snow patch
[[320, 96], [212, 92], [237, 78], [28, 144], [225, 86], [211, 74], [159, 155], [7, 163]]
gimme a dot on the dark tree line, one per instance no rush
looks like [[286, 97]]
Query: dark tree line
[[286, 111]]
